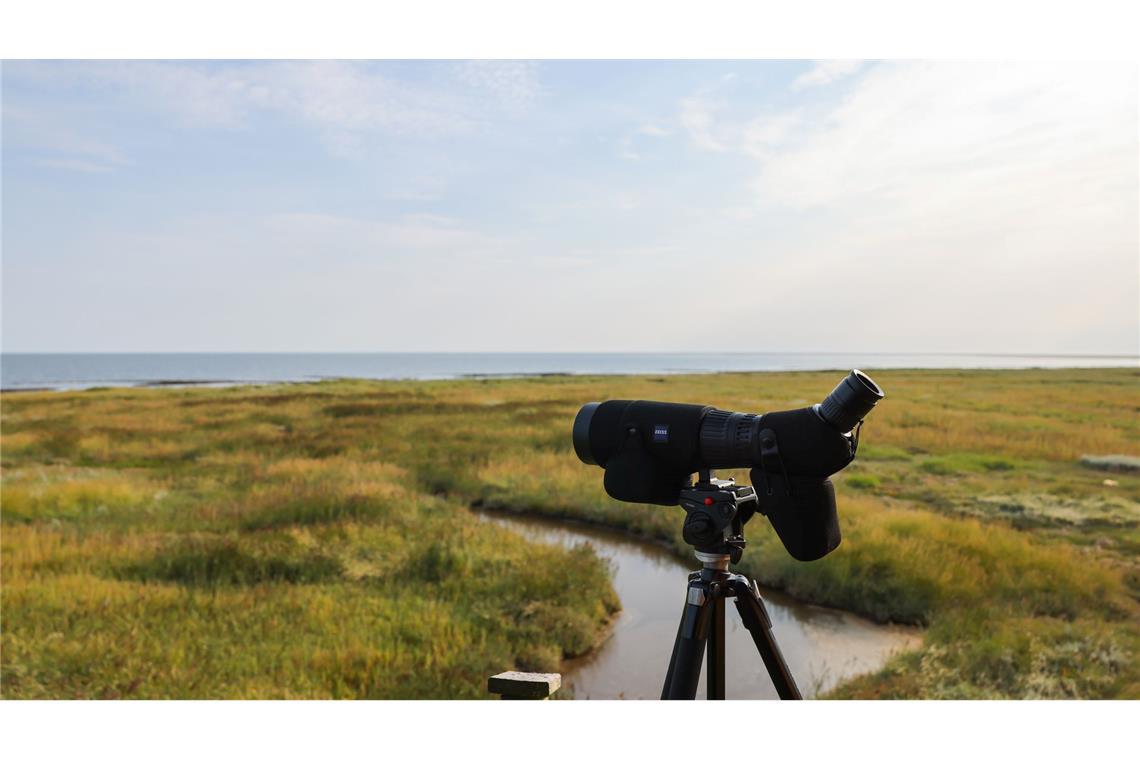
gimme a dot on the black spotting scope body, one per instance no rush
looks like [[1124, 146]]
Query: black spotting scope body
[[649, 450]]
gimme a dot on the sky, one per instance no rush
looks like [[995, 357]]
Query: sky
[[570, 206]]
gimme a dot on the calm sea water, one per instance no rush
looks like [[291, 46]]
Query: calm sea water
[[66, 371]]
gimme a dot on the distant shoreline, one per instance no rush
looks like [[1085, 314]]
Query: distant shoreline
[[62, 387]]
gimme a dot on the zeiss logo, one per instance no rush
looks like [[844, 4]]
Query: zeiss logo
[[661, 434]]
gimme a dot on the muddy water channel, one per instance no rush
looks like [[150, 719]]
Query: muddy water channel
[[822, 646]]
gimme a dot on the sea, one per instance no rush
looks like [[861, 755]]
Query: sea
[[23, 371]]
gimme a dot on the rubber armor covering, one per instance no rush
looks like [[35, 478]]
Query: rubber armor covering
[[658, 448], [795, 491]]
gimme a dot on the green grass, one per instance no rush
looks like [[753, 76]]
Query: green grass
[[961, 463], [315, 540], [264, 574], [862, 482]]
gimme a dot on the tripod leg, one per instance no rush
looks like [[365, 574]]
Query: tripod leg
[[689, 648], [714, 674], [673, 659], [756, 620]]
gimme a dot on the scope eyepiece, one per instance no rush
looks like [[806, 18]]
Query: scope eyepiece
[[582, 432], [851, 401]]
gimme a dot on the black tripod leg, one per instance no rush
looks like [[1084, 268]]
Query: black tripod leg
[[689, 648], [672, 659], [756, 620], [714, 674]]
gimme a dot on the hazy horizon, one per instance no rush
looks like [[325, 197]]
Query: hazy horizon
[[571, 207], [71, 371]]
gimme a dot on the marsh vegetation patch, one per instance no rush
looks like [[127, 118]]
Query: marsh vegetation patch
[[1045, 508], [224, 561]]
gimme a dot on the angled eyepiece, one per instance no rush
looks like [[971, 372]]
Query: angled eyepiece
[[852, 400], [582, 432]]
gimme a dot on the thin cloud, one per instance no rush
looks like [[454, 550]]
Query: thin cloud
[[513, 82], [55, 144], [343, 100], [307, 234], [74, 165], [918, 133], [697, 119], [826, 72]]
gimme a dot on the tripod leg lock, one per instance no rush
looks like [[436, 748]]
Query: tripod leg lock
[[694, 623], [742, 587]]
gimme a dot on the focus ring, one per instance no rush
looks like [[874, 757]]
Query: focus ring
[[726, 438]]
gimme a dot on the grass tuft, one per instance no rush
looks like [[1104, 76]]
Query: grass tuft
[[225, 562]]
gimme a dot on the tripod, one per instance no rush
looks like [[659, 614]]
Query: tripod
[[717, 511]]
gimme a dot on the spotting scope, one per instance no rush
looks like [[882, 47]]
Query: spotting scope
[[650, 449]]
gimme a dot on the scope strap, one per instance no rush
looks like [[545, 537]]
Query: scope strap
[[770, 458]]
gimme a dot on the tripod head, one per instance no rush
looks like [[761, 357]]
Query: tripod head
[[716, 511]]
